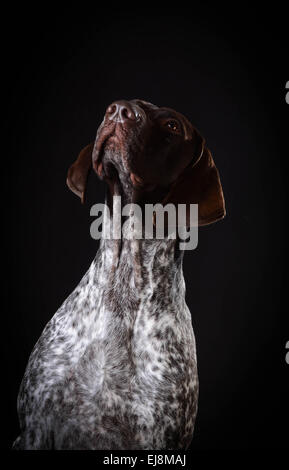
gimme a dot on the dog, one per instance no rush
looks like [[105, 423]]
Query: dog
[[116, 368]]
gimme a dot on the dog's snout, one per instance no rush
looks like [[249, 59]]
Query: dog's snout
[[120, 111]]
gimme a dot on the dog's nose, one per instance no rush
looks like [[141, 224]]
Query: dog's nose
[[120, 111]]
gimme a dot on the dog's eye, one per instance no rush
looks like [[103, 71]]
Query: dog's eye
[[173, 126]]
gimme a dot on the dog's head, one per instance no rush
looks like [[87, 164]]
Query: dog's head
[[151, 154]]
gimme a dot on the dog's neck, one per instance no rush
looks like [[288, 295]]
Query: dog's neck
[[138, 262]]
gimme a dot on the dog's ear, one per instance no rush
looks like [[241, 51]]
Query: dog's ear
[[79, 170], [199, 183]]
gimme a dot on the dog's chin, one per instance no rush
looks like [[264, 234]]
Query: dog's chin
[[122, 181], [140, 184], [111, 164]]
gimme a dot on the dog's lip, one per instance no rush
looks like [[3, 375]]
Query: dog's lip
[[136, 180], [110, 132], [104, 134], [139, 183]]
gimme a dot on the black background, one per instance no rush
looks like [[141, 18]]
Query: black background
[[225, 69]]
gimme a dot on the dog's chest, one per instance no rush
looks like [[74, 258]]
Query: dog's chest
[[120, 354]]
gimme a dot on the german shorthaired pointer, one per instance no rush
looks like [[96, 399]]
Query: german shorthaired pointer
[[116, 368]]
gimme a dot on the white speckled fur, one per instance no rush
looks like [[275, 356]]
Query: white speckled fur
[[115, 368]]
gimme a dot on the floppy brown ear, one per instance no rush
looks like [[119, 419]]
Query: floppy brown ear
[[79, 170], [200, 184]]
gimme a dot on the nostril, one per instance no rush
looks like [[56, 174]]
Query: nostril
[[127, 113], [111, 109], [120, 112], [124, 113]]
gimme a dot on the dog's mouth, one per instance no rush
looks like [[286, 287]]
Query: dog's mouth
[[103, 135], [112, 137]]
